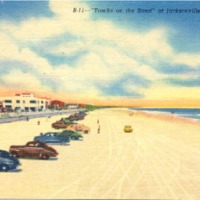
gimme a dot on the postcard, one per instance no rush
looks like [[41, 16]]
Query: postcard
[[99, 99]]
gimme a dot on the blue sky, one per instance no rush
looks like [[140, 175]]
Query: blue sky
[[100, 56], [186, 26], [20, 10]]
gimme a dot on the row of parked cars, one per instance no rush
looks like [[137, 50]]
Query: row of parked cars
[[39, 148], [70, 124]]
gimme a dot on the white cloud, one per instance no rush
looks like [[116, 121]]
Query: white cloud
[[192, 60], [131, 88], [20, 80], [8, 47]]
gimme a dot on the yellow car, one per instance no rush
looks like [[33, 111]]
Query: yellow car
[[128, 129]]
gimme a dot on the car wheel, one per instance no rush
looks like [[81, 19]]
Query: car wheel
[[4, 168], [62, 143], [45, 157], [86, 131]]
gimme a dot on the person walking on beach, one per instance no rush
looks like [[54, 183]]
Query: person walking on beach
[[38, 122], [98, 130], [97, 121]]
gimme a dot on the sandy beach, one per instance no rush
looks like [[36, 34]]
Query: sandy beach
[[160, 159]]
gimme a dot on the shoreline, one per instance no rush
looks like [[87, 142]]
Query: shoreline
[[162, 116]]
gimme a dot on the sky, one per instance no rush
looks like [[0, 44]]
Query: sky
[[133, 53]]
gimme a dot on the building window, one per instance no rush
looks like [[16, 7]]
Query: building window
[[33, 109], [42, 102], [17, 101], [17, 109], [32, 101], [8, 106], [24, 101], [8, 101]]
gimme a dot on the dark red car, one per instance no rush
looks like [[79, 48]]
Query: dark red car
[[59, 124], [33, 149]]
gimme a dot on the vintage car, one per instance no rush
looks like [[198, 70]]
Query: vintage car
[[82, 113], [33, 149], [63, 123], [128, 129], [52, 138], [67, 120], [59, 124], [78, 128], [7, 161], [73, 135], [77, 116]]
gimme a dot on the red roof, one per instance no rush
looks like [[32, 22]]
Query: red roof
[[57, 103]]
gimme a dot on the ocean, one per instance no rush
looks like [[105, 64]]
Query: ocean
[[192, 113]]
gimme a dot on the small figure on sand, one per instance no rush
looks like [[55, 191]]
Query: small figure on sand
[[97, 121], [98, 130], [38, 122], [27, 118]]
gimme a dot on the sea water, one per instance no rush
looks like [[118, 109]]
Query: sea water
[[180, 112]]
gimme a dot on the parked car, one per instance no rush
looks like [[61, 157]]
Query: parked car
[[63, 123], [7, 161], [52, 138], [82, 113], [73, 135], [78, 128], [33, 149], [77, 116], [67, 120], [128, 129]]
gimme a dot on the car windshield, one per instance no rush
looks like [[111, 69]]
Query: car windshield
[[31, 144]]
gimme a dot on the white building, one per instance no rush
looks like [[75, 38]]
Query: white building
[[25, 102], [72, 106]]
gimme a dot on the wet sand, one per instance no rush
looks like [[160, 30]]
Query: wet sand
[[160, 159]]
